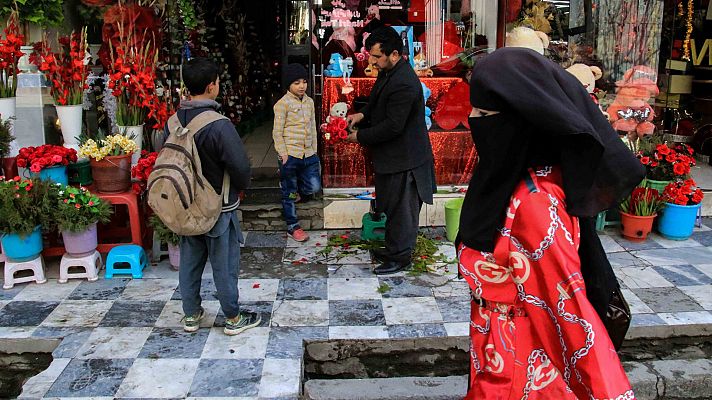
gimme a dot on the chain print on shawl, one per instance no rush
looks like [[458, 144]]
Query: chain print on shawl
[[558, 298]]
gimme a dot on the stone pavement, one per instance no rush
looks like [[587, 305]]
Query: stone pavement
[[122, 338]]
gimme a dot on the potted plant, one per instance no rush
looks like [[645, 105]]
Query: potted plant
[[170, 238], [110, 161], [638, 211], [132, 82], [664, 163], [76, 214], [25, 206], [10, 54], [683, 200], [47, 162], [142, 170], [67, 72], [9, 164]]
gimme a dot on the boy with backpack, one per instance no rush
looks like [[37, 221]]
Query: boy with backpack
[[295, 141], [194, 188]]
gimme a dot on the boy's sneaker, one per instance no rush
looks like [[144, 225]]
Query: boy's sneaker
[[299, 235], [243, 321], [192, 323]]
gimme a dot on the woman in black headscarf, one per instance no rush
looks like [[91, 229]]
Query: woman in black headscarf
[[549, 162]]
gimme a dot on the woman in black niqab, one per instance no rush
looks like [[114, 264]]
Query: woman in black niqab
[[548, 163]]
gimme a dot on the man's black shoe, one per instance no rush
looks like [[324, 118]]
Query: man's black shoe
[[379, 255], [391, 267]]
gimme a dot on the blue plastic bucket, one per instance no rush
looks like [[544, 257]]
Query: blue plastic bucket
[[56, 173], [677, 222], [19, 248]]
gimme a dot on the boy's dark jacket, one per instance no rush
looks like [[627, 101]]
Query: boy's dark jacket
[[220, 148]]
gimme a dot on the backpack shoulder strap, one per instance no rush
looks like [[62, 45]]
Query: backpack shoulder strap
[[202, 120], [174, 124]]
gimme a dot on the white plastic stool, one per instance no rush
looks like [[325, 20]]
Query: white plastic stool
[[36, 265], [91, 264]]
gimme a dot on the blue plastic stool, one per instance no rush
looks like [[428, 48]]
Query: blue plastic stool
[[132, 254]]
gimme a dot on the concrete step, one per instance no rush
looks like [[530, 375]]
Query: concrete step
[[415, 388], [652, 380]]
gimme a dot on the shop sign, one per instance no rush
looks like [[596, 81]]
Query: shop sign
[[699, 58], [389, 5]]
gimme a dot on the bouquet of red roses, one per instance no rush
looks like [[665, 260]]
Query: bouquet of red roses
[[9, 55], [684, 193], [66, 70], [142, 170], [335, 130], [48, 155], [667, 163]]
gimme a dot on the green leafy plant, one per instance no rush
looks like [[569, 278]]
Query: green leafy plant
[[40, 12], [164, 234], [426, 257], [77, 209], [383, 288], [26, 203], [5, 136]]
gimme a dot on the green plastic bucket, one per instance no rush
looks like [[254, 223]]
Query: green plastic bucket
[[452, 217], [657, 185]]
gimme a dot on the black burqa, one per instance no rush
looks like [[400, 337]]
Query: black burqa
[[546, 117]]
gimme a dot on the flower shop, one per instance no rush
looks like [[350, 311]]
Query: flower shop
[[86, 88]]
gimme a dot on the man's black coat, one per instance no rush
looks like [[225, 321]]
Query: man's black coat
[[394, 121]]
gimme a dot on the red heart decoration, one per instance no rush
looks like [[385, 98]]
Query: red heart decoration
[[454, 107]]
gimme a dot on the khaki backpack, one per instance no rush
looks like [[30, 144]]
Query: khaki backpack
[[177, 190]]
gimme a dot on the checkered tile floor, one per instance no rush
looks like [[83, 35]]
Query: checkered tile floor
[[122, 338]]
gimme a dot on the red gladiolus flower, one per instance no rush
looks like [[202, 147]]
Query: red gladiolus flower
[[645, 160]]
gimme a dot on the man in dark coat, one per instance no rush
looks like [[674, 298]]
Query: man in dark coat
[[392, 126]]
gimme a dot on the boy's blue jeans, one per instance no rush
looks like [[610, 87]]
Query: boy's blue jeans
[[298, 175], [222, 246]]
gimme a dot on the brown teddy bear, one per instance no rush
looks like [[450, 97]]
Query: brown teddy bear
[[588, 75], [630, 112]]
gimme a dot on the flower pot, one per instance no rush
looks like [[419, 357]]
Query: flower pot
[[636, 228], [657, 185], [70, 120], [80, 173], [174, 255], [677, 222], [55, 173], [18, 248], [7, 110], [112, 174], [136, 133], [80, 243], [9, 167]]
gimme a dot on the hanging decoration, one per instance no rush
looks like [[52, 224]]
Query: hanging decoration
[[688, 26]]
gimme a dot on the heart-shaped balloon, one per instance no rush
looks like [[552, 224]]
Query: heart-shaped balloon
[[454, 107]]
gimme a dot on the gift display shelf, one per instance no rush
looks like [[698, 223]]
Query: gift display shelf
[[347, 164]]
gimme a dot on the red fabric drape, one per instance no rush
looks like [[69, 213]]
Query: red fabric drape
[[348, 164]]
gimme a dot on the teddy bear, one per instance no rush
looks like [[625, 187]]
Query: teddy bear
[[588, 75], [527, 37], [333, 70], [338, 110], [630, 112], [334, 128]]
